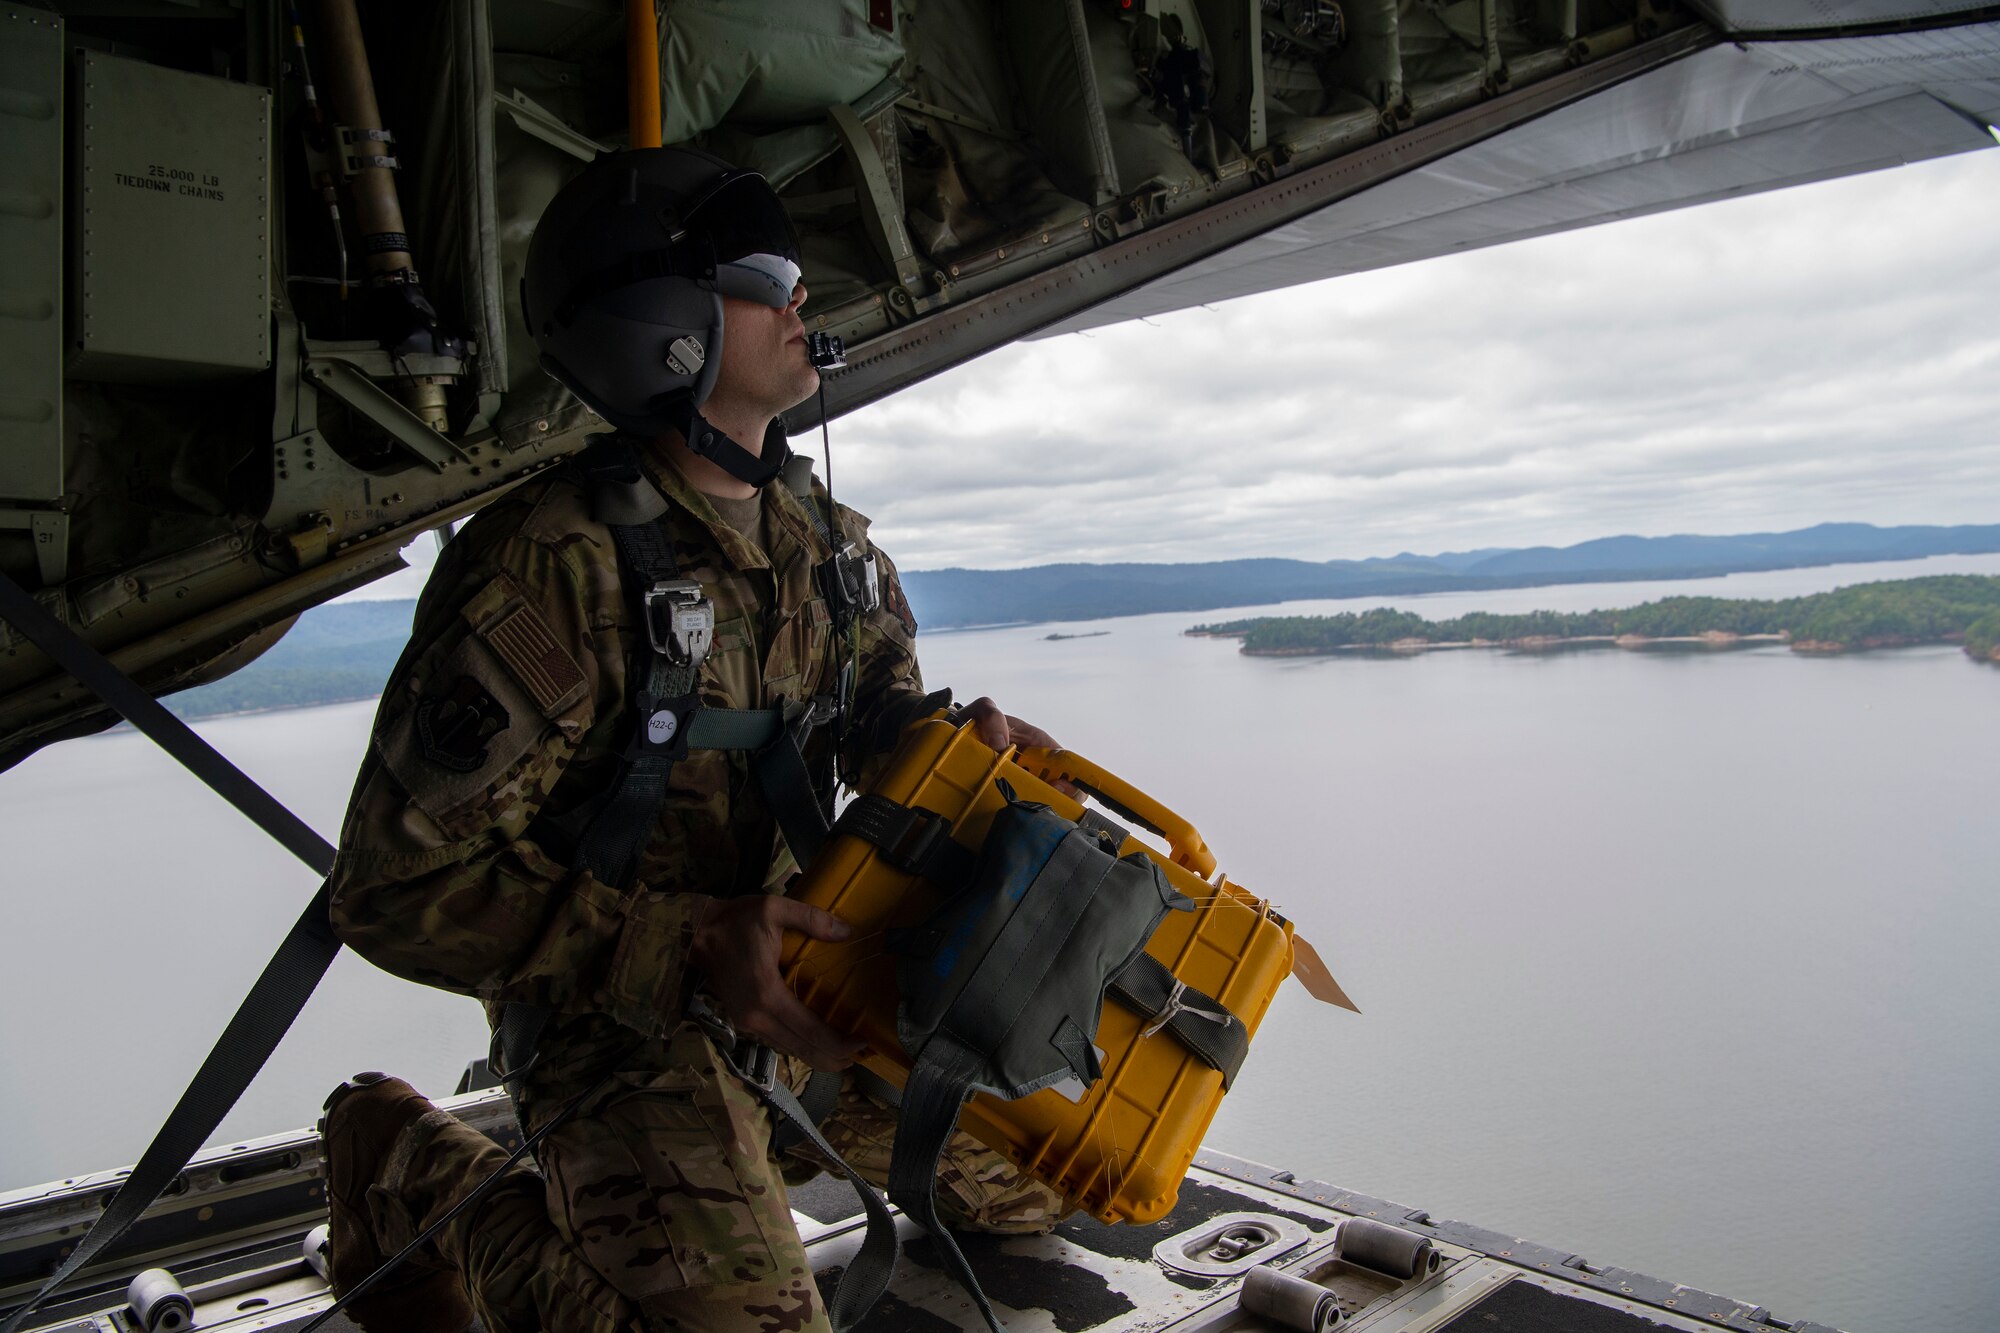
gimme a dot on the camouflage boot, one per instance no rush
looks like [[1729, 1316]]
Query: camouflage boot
[[364, 1118]]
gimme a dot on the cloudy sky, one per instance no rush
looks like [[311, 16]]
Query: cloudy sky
[[1830, 352]]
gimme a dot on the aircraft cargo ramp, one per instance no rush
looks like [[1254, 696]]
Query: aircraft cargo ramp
[[230, 1234]]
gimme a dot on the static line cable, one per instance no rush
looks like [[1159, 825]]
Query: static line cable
[[286, 983]]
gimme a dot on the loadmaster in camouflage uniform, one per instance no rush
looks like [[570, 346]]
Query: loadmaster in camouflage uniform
[[659, 1204]]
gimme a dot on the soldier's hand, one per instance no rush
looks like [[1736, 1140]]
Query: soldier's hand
[[999, 731], [736, 947]]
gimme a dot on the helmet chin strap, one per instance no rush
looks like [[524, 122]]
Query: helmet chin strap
[[705, 441]]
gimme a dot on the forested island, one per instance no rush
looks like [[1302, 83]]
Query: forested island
[[1944, 608], [344, 651]]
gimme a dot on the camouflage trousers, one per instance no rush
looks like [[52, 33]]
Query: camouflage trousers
[[660, 1204]]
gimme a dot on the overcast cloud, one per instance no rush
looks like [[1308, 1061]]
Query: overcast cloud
[[1824, 353]]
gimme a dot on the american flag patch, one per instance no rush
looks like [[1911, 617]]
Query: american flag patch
[[522, 640]]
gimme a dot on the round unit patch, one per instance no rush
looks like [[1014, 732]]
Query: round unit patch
[[661, 726]]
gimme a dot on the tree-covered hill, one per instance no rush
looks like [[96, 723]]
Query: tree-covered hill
[[1942, 608], [334, 653], [950, 598]]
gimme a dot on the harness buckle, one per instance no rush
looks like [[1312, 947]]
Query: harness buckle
[[853, 581], [752, 1061], [917, 840], [756, 1064], [680, 621], [820, 711]]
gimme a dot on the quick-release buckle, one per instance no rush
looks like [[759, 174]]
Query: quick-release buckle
[[750, 1060], [755, 1063], [820, 711], [853, 581], [680, 621]]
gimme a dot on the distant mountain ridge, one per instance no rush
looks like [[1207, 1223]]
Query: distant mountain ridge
[[956, 598], [346, 650]]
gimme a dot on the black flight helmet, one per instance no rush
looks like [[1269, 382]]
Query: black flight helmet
[[625, 276]]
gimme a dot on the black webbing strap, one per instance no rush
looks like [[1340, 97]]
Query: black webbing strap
[[610, 847], [914, 840], [817, 1100], [786, 780], [149, 715], [932, 1098], [1096, 821], [874, 1264], [287, 981], [797, 473], [631, 507], [1198, 1021]]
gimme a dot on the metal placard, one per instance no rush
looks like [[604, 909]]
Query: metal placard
[[170, 230]]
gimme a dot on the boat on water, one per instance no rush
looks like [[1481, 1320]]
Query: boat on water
[[206, 437]]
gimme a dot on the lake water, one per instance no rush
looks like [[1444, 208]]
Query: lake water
[[1682, 961]]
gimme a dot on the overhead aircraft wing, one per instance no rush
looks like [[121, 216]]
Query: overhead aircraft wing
[[217, 408], [1731, 119]]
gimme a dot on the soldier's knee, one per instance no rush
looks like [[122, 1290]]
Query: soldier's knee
[[980, 1190], [1020, 1207]]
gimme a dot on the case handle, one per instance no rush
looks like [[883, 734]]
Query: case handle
[[1123, 800]]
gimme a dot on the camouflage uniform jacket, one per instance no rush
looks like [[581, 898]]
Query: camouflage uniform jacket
[[506, 718]]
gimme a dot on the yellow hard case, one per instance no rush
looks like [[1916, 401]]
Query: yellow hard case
[[1120, 1152]]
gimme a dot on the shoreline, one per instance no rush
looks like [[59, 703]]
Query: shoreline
[[121, 726], [1713, 641]]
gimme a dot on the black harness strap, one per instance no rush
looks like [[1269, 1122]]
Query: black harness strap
[[610, 845], [817, 1099], [280, 992], [793, 1121], [932, 1098], [632, 508]]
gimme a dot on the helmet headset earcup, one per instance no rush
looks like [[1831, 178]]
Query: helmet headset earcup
[[625, 352]]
